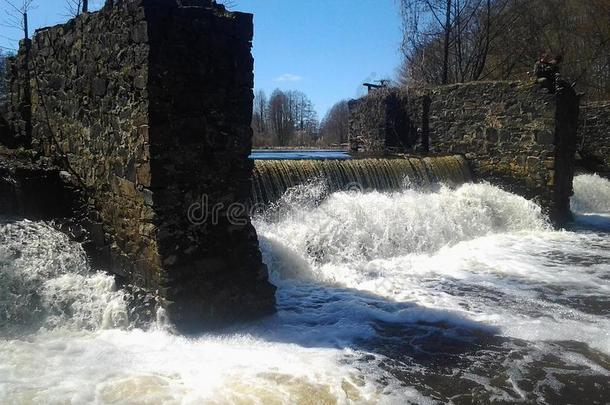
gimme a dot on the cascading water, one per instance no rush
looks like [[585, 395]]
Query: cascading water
[[433, 295], [272, 178], [45, 282]]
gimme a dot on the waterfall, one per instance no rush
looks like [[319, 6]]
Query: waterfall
[[271, 178]]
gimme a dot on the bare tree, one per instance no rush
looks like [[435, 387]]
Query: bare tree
[[303, 115], [334, 126], [259, 115], [447, 30], [455, 47], [578, 30], [501, 39], [291, 118], [74, 8], [279, 117], [17, 15], [416, 33]]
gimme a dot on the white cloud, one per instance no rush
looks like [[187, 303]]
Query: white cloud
[[288, 77]]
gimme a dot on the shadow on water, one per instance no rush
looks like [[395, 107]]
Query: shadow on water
[[441, 353], [591, 222], [444, 355], [5, 220], [317, 315]]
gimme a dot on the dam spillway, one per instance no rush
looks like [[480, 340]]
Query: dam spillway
[[271, 178]]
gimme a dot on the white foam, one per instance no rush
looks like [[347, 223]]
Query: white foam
[[78, 349], [356, 227], [475, 254], [472, 258], [118, 366], [591, 194], [45, 281]]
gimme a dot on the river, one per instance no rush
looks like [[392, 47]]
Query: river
[[445, 295]]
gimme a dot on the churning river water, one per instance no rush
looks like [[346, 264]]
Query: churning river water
[[460, 296]]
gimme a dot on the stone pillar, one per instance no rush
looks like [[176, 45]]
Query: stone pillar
[[567, 109], [200, 81], [147, 105]]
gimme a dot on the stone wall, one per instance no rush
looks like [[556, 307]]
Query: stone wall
[[33, 188], [383, 121], [15, 123], [514, 134], [594, 137], [147, 105]]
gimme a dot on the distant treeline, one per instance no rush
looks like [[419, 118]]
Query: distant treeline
[[288, 118], [449, 41]]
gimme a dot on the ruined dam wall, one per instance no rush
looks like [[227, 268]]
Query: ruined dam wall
[[147, 105], [15, 116], [515, 135], [90, 113], [594, 137]]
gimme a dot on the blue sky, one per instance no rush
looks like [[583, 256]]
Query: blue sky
[[325, 48]]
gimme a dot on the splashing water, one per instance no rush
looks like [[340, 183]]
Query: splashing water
[[45, 282], [591, 194], [448, 295], [357, 227], [65, 339], [449, 285]]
